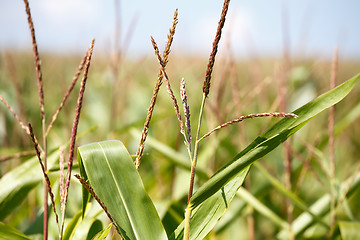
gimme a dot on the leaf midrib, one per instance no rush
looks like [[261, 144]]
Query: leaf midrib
[[120, 193]]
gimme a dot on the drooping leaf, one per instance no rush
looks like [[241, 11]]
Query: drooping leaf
[[227, 180], [115, 180]]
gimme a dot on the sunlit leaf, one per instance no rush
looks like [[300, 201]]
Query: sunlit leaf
[[115, 180]]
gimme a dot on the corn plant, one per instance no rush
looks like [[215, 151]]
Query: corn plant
[[109, 174], [108, 168]]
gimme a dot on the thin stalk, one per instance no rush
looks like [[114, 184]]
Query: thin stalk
[[74, 131], [287, 162], [46, 191], [331, 121], [101, 203], [21, 123], [46, 177], [193, 168], [242, 118], [17, 155], [18, 91], [165, 57], [42, 109], [206, 90], [67, 94]]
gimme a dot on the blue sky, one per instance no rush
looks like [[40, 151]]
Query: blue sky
[[256, 26]]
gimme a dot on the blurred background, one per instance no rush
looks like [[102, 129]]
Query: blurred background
[[308, 28]]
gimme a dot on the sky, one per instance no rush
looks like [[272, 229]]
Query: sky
[[312, 27]]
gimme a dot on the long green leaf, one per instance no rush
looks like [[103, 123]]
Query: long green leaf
[[227, 180], [17, 183], [117, 183], [10, 233], [271, 139]]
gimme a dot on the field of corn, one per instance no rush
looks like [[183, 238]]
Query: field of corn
[[268, 166]]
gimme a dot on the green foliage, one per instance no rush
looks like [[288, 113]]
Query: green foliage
[[117, 183], [10, 233], [102, 160], [349, 230], [115, 106], [103, 233], [17, 183]]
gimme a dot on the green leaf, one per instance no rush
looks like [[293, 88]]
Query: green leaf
[[271, 139], [174, 215], [71, 227], [10, 233], [212, 198], [205, 217], [349, 230], [103, 234], [85, 194], [95, 228], [114, 178], [17, 183]]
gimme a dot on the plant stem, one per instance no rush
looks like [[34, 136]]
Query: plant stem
[[46, 190], [192, 176], [331, 120]]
